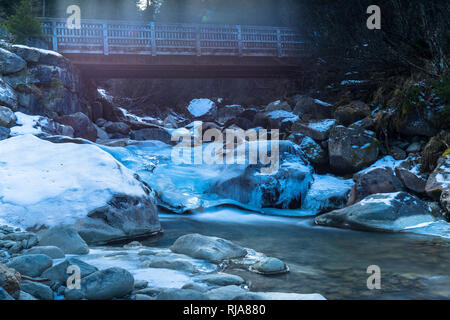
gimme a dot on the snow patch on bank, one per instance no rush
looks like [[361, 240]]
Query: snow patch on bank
[[200, 107]]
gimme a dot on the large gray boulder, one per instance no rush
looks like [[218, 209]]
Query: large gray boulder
[[107, 284], [64, 237], [58, 273], [221, 279], [226, 293], [229, 112], [351, 150], [51, 251], [208, 248], [352, 112], [7, 117], [380, 212], [319, 130], [312, 109], [10, 62], [81, 124], [40, 56], [313, 151], [31, 265], [377, 180], [37, 290]]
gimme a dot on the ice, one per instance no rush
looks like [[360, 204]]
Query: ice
[[26, 124]]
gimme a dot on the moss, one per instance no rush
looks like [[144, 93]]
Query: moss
[[446, 153]]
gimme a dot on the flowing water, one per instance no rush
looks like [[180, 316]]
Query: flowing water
[[332, 262]]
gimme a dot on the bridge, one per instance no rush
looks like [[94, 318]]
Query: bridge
[[123, 49]]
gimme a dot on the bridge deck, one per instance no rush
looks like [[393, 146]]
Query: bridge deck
[[127, 49]]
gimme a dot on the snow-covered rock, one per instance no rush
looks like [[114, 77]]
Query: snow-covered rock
[[38, 125], [319, 130], [8, 96], [278, 105], [10, 62], [439, 179], [201, 107], [381, 212], [7, 117], [47, 184]]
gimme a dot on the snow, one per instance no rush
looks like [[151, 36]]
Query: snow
[[41, 51], [346, 82], [26, 124], [48, 184], [277, 114], [386, 162], [200, 107], [323, 125], [322, 103], [105, 95], [386, 199]]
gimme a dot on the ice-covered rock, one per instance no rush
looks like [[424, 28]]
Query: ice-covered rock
[[319, 130], [313, 151], [380, 212], [47, 184]]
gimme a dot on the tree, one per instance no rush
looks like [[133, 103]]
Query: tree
[[23, 25]]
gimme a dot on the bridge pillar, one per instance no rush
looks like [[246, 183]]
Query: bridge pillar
[[54, 36], [239, 36], [105, 39], [198, 40], [279, 47], [153, 37]]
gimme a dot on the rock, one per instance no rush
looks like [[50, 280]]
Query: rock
[[414, 147], [309, 109], [142, 297], [313, 151], [439, 179], [107, 284], [351, 150], [10, 281], [229, 112], [140, 284], [5, 295], [64, 237], [100, 197], [181, 294], [269, 266], [10, 62], [82, 126], [55, 77], [26, 296], [397, 153], [278, 105], [117, 127], [170, 122], [37, 290], [203, 109], [415, 124], [282, 120], [208, 248], [352, 112], [445, 202], [51, 251], [152, 292], [8, 96], [101, 134], [133, 245], [159, 134], [32, 265], [173, 264], [221, 279], [283, 185], [58, 274], [319, 130], [7, 117], [380, 212], [40, 56], [225, 293], [4, 133], [194, 286], [284, 296], [373, 181], [411, 181]]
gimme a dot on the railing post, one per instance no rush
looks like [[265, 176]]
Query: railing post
[[153, 37], [198, 40], [239, 36], [105, 39], [279, 47], [54, 36]]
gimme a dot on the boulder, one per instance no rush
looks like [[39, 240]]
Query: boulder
[[445, 202], [10, 281], [4, 133], [58, 273], [439, 179], [31, 265], [412, 179], [117, 127], [226, 293], [10, 62], [40, 56], [229, 112], [100, 197], [208, 248], [159, 134], [107, 284], [351, 150], [372, 181], [202, 109], [81, 124], [8, 96], [278, 105], [64, 237], [309, 109], [5, 295], [319, 130], [269, 266], [281, 119], [352, 112], [415, 124], [380, 212], [45, 76], [51, 251], [26, 296], [37, 290], [221, 279], [314, 152], [7, 117], [173, 264]]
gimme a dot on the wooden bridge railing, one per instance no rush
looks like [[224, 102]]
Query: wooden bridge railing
[[119, 37]]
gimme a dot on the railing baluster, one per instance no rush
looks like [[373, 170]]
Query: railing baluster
[[279, 46], [54, 36], [105, 39], [197, 36], [153, 38], [239, 28]]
